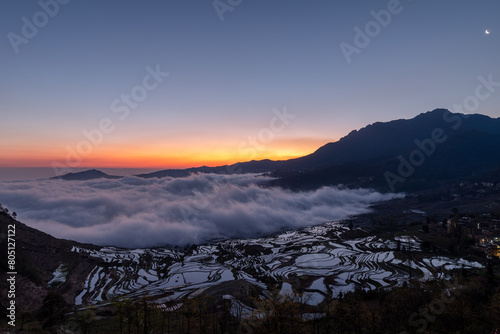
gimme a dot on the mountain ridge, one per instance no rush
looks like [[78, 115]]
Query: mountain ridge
[[377, 147], [359, 144]]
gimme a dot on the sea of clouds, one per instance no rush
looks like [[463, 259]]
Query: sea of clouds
[[134, 212]]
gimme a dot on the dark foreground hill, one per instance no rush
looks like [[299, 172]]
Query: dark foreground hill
[[37, 257]]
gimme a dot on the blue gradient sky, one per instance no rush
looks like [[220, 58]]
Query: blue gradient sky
[[226, 77]]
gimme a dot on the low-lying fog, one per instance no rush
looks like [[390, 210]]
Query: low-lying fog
[[134, 212]]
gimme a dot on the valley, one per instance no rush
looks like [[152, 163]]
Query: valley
[[318, 261]]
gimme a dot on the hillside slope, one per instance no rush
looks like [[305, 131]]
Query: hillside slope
[[38, 256]]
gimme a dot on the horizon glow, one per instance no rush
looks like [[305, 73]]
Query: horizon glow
[[178, 85]]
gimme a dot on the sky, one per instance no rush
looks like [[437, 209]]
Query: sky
[[174, 84]]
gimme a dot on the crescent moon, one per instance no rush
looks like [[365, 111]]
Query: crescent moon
[[487, 32]]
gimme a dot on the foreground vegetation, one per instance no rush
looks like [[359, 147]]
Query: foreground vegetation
[[465, 304]]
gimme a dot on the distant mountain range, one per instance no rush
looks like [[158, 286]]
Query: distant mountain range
[[430, 150]]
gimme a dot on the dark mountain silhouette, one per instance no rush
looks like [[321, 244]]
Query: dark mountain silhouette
[[253, 166], [384, 139], [431, 149], [472, 156], [453, 145], [184, 172], [86, 175]]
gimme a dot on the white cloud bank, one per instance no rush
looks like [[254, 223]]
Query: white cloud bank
[[134, 212]]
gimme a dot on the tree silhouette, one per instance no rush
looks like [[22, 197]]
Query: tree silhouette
[[53, 311]]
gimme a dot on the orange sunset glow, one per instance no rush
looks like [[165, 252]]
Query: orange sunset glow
[[158, 155]]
